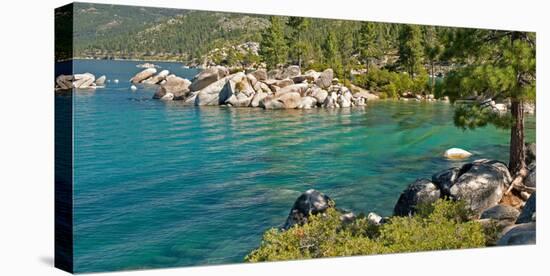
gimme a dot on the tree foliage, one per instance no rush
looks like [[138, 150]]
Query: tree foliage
[[369, 43], [298, 47], [273, 47], [495, 65], [411, 49]]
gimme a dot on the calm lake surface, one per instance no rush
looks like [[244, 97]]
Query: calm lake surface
[[158, 184]]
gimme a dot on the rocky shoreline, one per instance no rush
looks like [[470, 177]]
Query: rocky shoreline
[[483, 185], [284, 88], [275, 89]]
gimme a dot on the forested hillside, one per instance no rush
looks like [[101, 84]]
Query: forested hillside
[[110, 31]]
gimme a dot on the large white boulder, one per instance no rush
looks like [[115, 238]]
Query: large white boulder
[[456, 153], [143, 75]]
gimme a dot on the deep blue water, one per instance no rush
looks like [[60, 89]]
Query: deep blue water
[[159, 184]]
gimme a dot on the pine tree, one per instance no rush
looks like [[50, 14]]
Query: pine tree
[[297, 45], [330, 53], [432, 51], [369, 48], [273, 47], [497, 64], [410, 49], [346, 51]]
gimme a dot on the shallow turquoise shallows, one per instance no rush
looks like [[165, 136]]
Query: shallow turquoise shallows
[[159, 184]]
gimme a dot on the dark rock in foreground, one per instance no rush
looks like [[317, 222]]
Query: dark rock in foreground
[[422, 191], [445, 179], [482, 184], [500, 212], [528, 210], [519, 234], [310, 202]]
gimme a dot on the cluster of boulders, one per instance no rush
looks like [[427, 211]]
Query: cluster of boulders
[[150, 76], [284, 88], [482, 185], [406, 96], [79, 81]]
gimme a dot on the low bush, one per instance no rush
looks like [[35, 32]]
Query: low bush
[[443, 225], [393, 83]]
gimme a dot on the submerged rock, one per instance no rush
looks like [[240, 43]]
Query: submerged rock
[[456, 153], [481, 184], [422, 191], [311, 202]]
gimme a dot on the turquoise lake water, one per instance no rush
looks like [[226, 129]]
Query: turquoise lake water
[[159, 184]]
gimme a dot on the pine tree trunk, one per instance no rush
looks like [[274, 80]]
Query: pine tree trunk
[[517, 143]]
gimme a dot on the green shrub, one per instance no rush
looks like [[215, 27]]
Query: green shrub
[[393, 83], [443, 225]]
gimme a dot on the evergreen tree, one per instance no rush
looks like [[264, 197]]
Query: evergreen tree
[[346, 51], [497, 64], [273, 48], [369, 47], [410, 49], [330, 53], [432, 51], [297, 45]]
